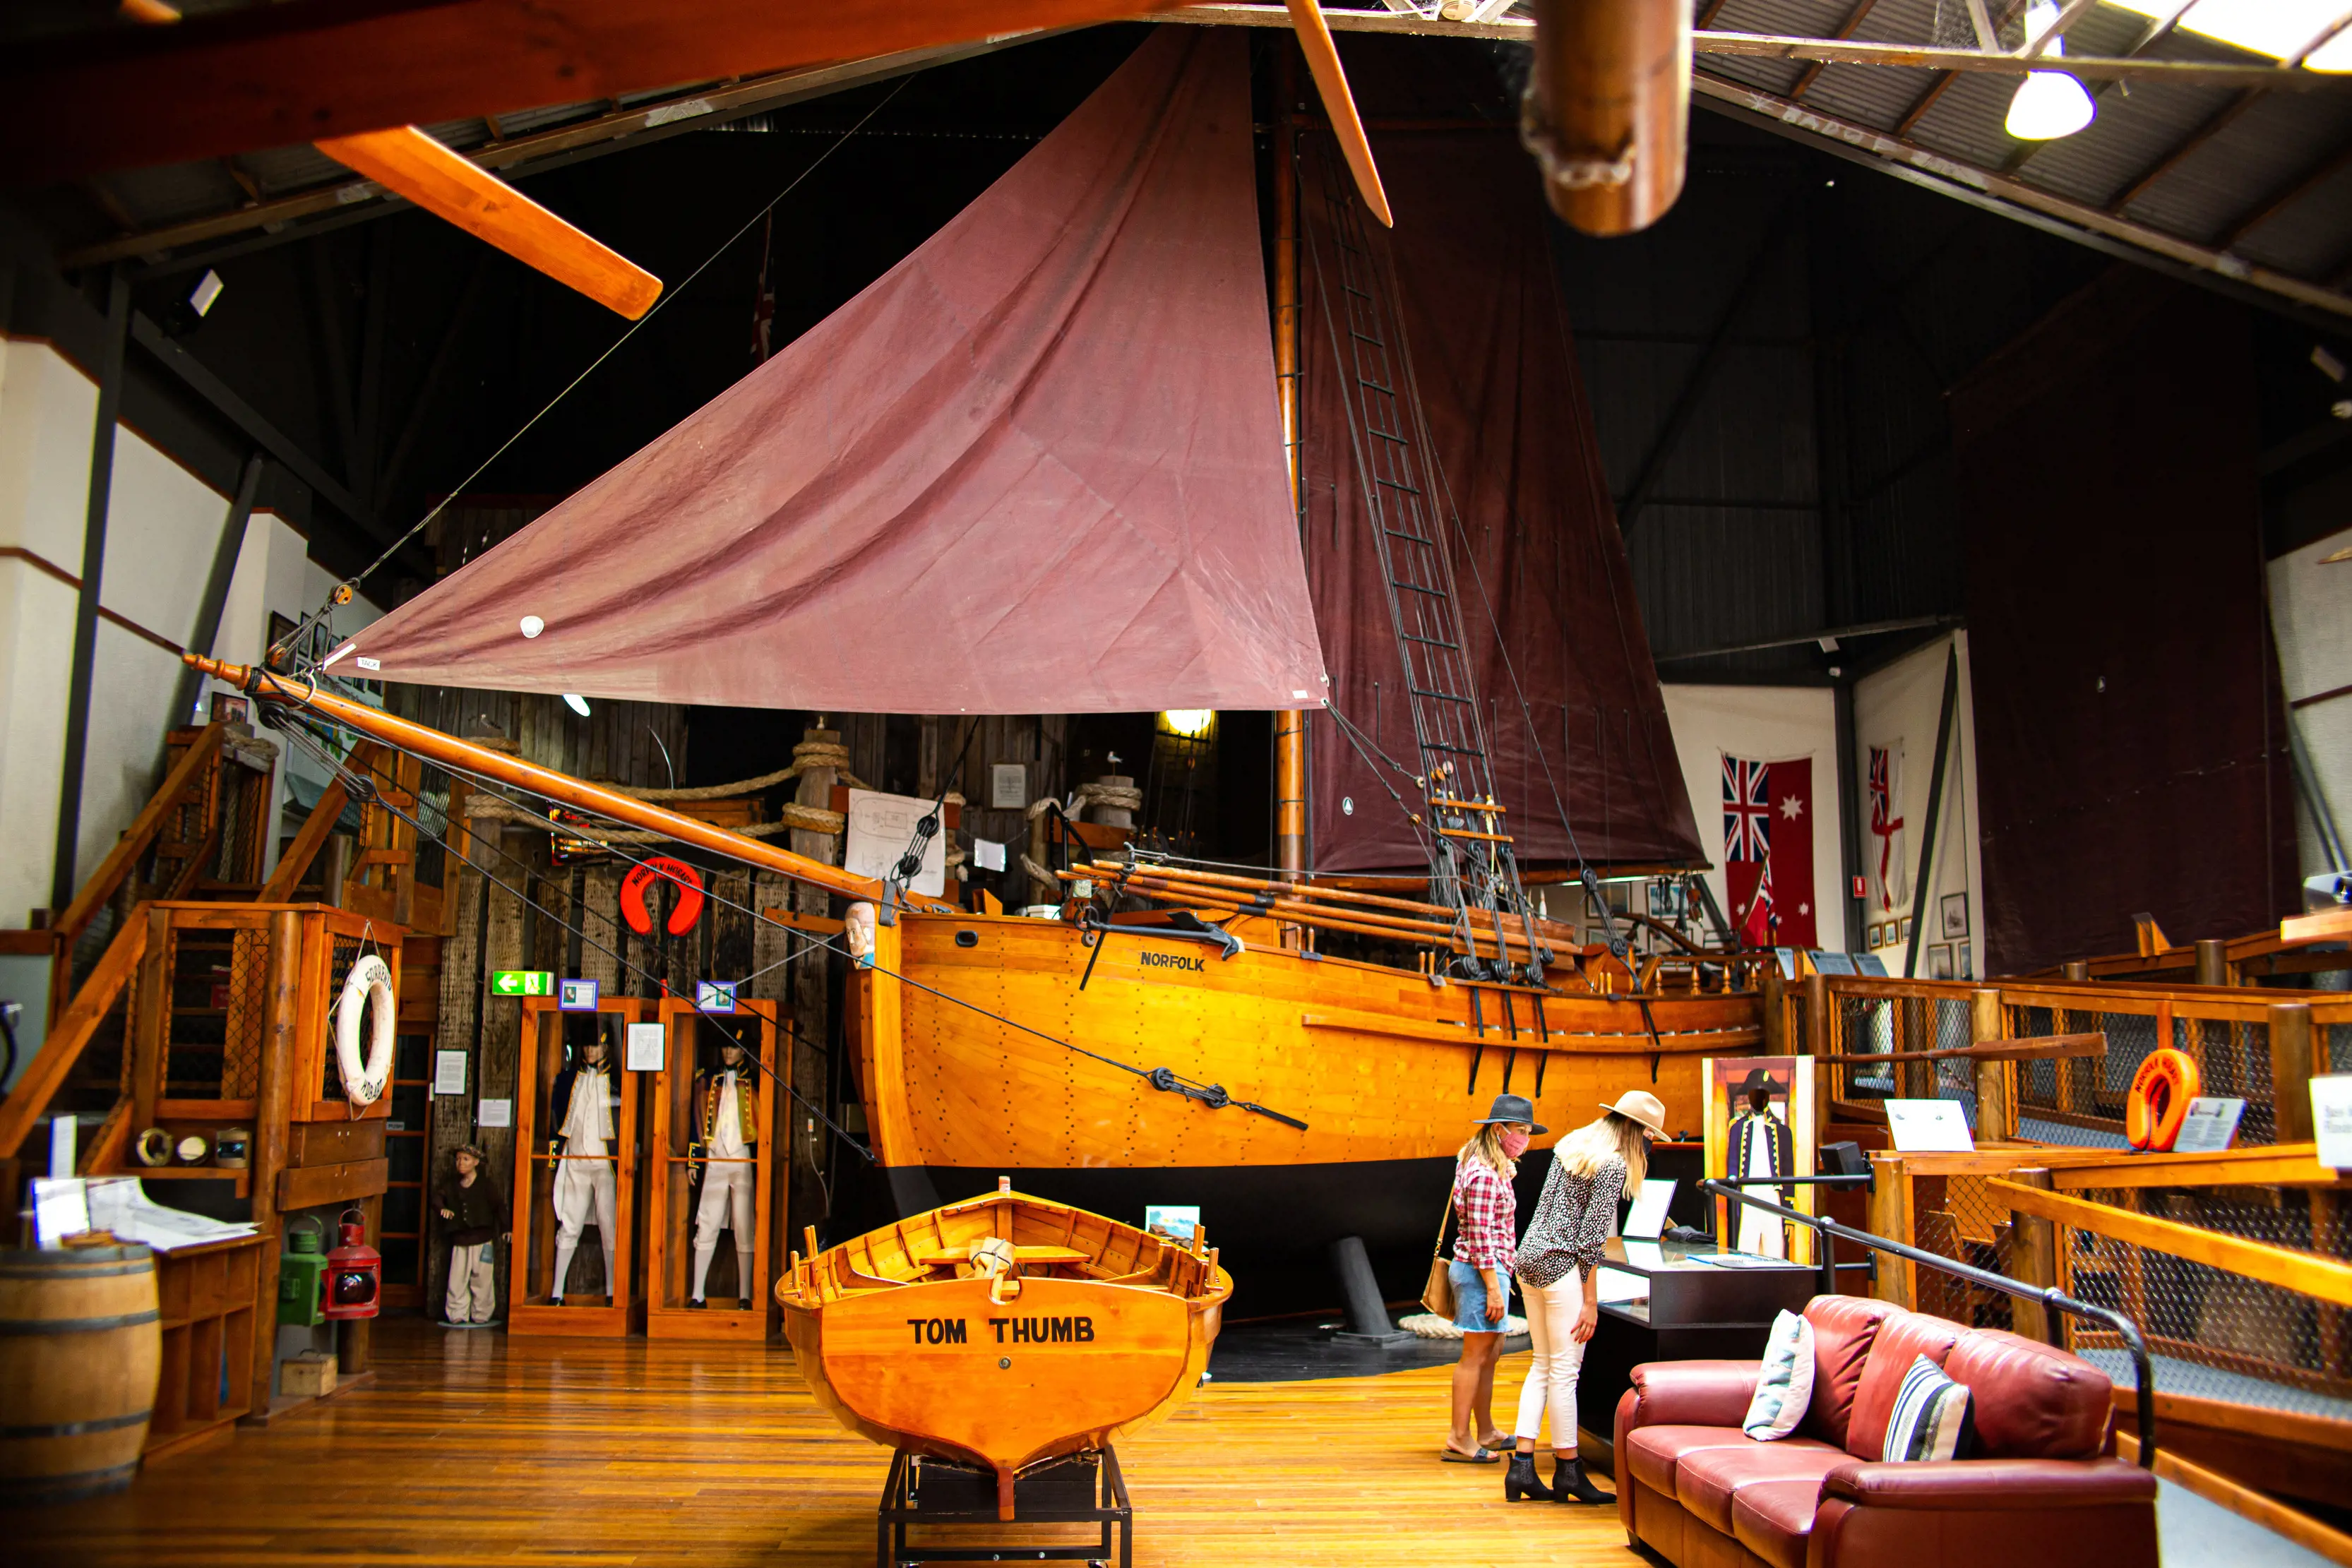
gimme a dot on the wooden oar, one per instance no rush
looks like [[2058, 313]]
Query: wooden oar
[[452, 187], [1331, 86], [2036, 1047]]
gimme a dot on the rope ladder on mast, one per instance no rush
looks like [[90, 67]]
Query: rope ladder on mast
[[1472, 865]]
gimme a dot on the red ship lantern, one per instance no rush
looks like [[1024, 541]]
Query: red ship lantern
[[354, 1272]]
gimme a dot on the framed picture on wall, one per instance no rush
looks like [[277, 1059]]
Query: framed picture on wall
[[1877, 938], [1955, 910], [1939, 961], [1903, 931], [1963, 961]]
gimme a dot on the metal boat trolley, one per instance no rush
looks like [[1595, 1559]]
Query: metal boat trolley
[[1079, 1488]]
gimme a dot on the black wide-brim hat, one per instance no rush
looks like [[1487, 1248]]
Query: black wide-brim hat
[[1514, 1108]]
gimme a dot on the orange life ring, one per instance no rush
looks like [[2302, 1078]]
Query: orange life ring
[[640, 881], [2161, 1093]]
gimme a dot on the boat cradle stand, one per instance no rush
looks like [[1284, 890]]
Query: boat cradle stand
[[1080, 1488]]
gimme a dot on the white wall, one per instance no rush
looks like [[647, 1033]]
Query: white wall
[[2311, 617], [1903, 703], [1766, 724], [163, 524]]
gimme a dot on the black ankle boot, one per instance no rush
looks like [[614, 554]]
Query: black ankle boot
[[1569, 1485], [1520, 1480]]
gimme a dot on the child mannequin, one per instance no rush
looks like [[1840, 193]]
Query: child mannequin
[[476, 1215]]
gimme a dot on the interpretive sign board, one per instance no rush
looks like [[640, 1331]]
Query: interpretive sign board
[[1929, 1127]]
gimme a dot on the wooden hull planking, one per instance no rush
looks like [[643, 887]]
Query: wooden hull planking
[[1380, 1064]]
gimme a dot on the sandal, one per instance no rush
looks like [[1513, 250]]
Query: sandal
[[1455, 1457]]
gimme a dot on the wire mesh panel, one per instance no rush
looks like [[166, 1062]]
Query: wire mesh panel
[[1959, 1218], [2215, 1334], [212, 1023], [1915, 1020], [2082, 1101]]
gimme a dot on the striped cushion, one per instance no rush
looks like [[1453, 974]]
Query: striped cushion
[[1931, 1418], [1785, 1388]]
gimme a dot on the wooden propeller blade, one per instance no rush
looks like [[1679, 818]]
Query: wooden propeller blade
[[450, 186], [1338, 103]]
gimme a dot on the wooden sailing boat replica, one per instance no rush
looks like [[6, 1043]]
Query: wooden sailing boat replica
[[1003, 1331], [1041, 465]]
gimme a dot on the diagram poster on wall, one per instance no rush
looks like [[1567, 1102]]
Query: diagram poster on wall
[[1760, 1125]]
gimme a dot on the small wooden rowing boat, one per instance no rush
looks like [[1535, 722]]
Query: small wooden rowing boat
[[1003, 1331]]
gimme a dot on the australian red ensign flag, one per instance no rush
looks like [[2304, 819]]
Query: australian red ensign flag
[[1767, 850]]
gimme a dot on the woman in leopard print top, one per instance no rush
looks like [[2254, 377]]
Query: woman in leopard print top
[[1558, 1269]]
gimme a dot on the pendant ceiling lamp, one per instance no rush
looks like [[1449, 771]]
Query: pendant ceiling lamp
[[2048, 104]]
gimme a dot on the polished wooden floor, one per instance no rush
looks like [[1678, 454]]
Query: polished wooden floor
[[475, 1448]]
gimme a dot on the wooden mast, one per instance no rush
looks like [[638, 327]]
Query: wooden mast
[[449, 751], [1289, 724]]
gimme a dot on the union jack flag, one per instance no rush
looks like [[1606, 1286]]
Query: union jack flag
[[1747, 810]]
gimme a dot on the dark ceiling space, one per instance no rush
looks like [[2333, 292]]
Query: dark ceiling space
[[1767, 366]]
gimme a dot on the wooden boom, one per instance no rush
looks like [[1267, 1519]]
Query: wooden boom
[[449, 751]]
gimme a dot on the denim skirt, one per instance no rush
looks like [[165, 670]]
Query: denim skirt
[[1470, 1299]]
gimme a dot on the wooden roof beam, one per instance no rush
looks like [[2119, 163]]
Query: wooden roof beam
[[1812, 72]]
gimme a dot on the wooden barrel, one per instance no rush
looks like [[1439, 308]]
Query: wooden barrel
[[79, 1350]]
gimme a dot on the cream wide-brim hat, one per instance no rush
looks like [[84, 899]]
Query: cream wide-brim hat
[[1642, 1106]]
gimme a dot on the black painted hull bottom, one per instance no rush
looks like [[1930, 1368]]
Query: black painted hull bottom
[[1273, 1224]]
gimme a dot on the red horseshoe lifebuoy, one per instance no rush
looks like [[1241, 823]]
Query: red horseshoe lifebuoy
[[640, 881], [2161, 1093]]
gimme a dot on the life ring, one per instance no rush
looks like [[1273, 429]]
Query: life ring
[[367, 989], [640, 882], [2161, 1093]]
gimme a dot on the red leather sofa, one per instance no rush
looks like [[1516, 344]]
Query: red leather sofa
[[2047, 1487]]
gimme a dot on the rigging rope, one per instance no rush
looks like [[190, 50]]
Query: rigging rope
[[344, 591], [1214, 1095]]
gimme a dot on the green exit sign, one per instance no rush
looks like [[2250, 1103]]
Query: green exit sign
[[522, 983]]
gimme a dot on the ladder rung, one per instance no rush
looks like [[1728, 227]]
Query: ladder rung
[[1467, 833], [1433, 642], [1400, 534], [1490, 808], [1416, 588], [1441, 697]]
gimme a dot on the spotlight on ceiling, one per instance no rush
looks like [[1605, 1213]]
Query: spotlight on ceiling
[[1192, 723], [2048, 104], [207, 289], [576, 703]]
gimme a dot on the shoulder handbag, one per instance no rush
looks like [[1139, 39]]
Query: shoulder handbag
[[1437, 1296]]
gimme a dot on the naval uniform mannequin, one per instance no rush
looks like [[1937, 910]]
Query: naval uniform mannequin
[[584, 1109], [1760, 1145], [729, 1122]]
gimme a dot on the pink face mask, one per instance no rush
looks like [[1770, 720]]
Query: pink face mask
[[1514, 1143]]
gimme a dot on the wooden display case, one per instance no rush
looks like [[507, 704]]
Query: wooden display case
[[675, 1177], [617, 1310], [205, 1296]]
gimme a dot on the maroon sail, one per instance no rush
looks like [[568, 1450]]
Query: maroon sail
[[1540, 565], [1037, 467]]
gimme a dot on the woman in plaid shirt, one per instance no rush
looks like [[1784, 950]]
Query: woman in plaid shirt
[[1487, 1211]]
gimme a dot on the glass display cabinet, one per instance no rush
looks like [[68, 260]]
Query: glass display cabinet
[[718, 1171], [575, 1180]]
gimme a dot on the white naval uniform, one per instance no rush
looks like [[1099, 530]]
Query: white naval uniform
[[727, 1192], [583, 1185]]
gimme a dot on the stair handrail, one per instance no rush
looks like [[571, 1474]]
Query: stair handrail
[[72, 1032], [71, 922], [296, 861]]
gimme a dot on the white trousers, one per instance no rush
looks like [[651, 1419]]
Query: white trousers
[[583, 1188], [1551, 1374], [473, 1284], [727, 1197]]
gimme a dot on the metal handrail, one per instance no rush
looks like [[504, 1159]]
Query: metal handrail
[[2050, 1298]]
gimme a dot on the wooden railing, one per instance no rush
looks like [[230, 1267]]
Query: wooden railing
[[2260, 1044]]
